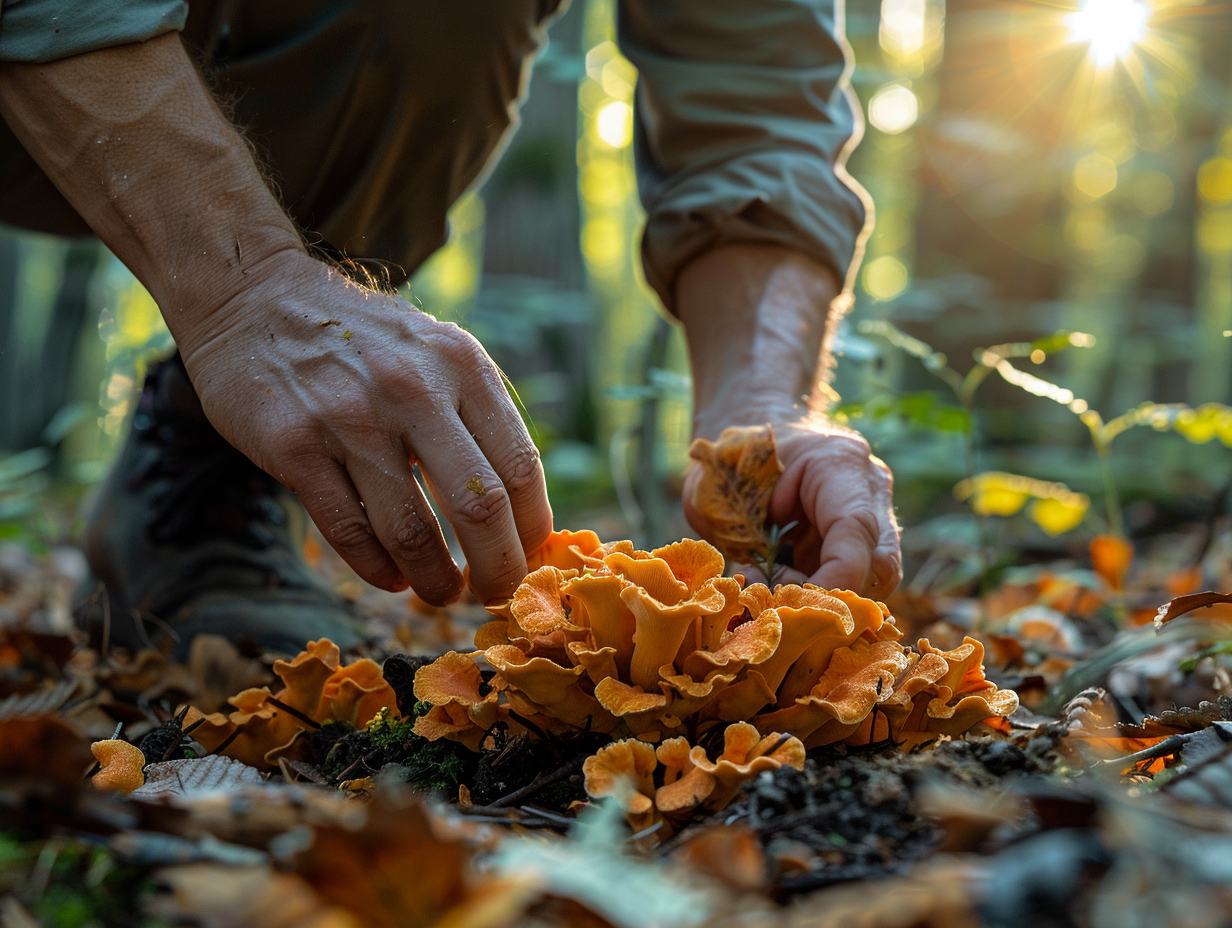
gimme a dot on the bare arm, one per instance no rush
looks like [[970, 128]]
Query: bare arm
[[337, 412], [755, 319]]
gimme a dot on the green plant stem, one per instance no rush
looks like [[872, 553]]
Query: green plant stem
[[1112, 498]]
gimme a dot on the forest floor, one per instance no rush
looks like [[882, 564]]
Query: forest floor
[[1106, 800]]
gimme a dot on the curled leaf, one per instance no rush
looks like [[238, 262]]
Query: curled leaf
[[739, 473]]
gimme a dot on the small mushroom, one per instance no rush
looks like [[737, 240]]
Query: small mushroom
[[625, 769], [596, 598], [536, 606], [685, 786], [356, 693], [120, 766], [746, 753], [661, 627], [549, 686]]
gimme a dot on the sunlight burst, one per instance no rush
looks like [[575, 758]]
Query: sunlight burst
[[1111, 28]]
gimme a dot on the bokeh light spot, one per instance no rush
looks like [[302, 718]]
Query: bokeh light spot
[[1095, 175], [1215, 232], [615, 123], [893, 109], [1215, 180], [885, 278]]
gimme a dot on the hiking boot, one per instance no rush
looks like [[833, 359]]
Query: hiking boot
[[188, 536]]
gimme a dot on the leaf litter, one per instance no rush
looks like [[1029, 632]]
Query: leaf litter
[[1105, 798]]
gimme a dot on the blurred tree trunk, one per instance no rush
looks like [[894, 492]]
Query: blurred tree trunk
[[38, 379]]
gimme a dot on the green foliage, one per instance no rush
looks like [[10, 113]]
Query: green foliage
[[920, 410], [66, 884]]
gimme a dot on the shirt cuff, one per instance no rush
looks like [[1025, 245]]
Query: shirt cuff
[[780, 197], [45, 30]]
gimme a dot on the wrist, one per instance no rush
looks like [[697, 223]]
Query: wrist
[[756, 320]]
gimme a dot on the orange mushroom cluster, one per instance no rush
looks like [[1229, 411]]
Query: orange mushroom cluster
[[262, 726], [688, 780], [660, 646]]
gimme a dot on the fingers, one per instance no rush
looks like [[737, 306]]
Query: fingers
[[404, 524], [501, 436], [887, 562], [333, 503], [846, 494], [476, 503], [846, 553]]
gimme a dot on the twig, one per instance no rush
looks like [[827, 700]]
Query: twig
[[361, 760], [226, 743], [292, 711], [646, 832], [563, 820], [507, 816], [536, 785], [529, 725], [1168, 746]]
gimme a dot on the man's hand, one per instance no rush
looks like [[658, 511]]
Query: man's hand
[[337, 391], [755, 319], [334, 390]]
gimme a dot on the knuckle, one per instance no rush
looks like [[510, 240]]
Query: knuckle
[[415, 538], [457, 343], [486, 509], [865, 519], [846, 441], [523, 468], [351, 533], [298, 440]]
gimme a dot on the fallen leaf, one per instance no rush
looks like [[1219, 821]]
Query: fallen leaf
[[394, 867], [1176, 608], [178, 778], [44, 749], [739, 473], [217, 896], [730, 853]]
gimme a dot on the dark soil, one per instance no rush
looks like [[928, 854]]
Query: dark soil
[[852, 812]]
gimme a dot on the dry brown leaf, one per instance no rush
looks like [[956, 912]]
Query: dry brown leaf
[[177, 778], [44, 749], [397, 869], [217, 896], [1183, 604], [730, 853], [739, 473]]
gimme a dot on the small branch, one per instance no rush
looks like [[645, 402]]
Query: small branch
[[1169, 745], [292, 711], [536, 785]]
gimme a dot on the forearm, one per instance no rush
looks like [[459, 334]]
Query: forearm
[[755, 319], [134, 141]]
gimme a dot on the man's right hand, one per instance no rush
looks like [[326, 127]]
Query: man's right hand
[[134, 141], [337, 391]]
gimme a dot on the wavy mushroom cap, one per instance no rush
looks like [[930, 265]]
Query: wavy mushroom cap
[[624, 769], [564, 550], [120, 766], [356, 693], [746, 753]]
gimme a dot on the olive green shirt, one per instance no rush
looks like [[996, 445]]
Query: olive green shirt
[[375, 115]]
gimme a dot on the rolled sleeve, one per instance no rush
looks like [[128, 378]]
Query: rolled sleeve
[[744, 122], [45, 30]]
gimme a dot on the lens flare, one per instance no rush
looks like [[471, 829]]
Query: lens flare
[[1111, 28]]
